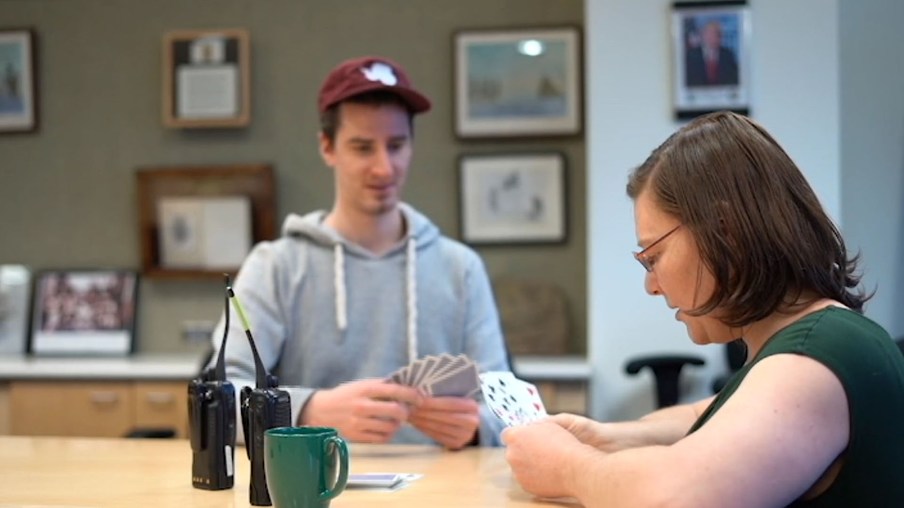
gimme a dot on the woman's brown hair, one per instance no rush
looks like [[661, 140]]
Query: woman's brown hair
[[759, 226]]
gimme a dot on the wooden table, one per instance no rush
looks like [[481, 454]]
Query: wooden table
[[93, 472]]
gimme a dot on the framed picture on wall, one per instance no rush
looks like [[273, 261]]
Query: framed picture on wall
[[513, 198], [18, 81], [201, 221], [84, 312], [711, 42], [206, 78], [522, 82], [15, 304]]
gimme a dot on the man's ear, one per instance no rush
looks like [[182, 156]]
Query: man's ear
[[326, 148]]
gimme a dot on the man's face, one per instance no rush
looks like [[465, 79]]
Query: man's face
[[712, 36], [369, 156]]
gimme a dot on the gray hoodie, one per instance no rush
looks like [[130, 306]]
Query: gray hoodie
[[324, 311]]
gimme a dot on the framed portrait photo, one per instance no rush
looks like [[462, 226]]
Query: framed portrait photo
[[206, 78], [84, 312], [513, 198], [521, 82], [711, 42], [18, 81]]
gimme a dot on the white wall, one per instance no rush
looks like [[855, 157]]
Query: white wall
[[794, 93], [872, 155]]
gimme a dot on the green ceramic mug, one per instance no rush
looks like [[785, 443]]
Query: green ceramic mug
[[306, 466]]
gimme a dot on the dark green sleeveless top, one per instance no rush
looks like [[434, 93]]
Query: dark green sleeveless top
[[871, 369]]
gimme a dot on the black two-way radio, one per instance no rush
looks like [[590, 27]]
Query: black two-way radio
[[211, 412], [263, 407]]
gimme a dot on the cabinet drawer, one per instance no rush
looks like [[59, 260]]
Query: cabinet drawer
[[162, 406], [71, 409]]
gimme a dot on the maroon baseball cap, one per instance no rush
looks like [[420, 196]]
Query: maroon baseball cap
[[367, 74]]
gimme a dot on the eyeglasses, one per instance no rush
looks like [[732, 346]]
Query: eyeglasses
[[641, 256]]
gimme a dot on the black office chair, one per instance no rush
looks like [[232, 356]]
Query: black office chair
[[666, 371]]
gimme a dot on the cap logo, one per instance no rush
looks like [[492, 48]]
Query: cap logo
[[381, 72]]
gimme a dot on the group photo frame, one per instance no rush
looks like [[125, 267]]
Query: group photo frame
[[711, 57], [518, 82], [513, 198], [84, 312], [18, 81]]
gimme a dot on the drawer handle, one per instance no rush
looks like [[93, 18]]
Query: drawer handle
[[105, 398], [160, 398]]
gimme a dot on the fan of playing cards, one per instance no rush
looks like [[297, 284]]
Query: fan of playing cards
[[512, 400], [440, 375]]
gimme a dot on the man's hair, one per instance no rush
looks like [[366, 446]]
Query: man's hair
[[331, 118], [757, 223]]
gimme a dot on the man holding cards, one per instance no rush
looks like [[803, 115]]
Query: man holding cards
[[350, 295]]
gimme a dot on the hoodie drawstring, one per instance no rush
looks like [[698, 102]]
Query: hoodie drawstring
[[411, 272], [410, 290], [339, 283]]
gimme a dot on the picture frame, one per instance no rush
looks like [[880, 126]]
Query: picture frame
[[518, 82], [711, 62], [200, 221], [84, 312], [15, 305], [18, 81], [517, 198], [207, 78]]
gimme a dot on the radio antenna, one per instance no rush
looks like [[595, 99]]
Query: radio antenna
[[262, 378], [220, 369]]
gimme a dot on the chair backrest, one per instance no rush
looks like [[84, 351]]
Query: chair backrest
[[736, 354], [666, 371]]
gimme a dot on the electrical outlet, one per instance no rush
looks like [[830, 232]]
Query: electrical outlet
[[197, 330]]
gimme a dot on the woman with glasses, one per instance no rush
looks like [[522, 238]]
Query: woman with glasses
[[735, 241]]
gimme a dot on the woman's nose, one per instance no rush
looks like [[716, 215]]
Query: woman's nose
[[650, 284]]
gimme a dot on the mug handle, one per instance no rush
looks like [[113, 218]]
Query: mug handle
[[338, 445]]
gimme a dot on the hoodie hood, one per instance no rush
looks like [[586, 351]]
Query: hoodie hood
[[311, 226], [420, 233]]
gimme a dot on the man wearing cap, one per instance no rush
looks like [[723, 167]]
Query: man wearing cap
[[349, 295]]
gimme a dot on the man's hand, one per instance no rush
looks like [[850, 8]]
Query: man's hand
[[366, 411], [451, 421]]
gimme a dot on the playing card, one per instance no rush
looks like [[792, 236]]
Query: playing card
[[445, 364], [531, 399], [440, 375], [458, 382], [512, 400], [424, 372]]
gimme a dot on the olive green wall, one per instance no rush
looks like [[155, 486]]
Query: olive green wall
[[67, 192]]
